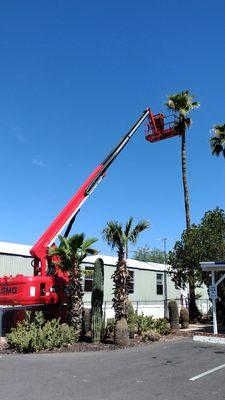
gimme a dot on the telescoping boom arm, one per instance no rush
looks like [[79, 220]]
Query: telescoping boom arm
[[68, 214]]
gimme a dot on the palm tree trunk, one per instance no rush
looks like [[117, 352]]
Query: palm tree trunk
[[120, 277], [120, 300], [127, 249], [184, 178], [193, 309], [75, 300], [192, 300]]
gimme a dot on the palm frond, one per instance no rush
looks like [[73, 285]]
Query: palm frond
[[181, 103], [128, 226], [63, 242], [195, 104], [216, 146], [187, 121], [76, 241], [112, 233], [219, 131], [141, 226], [88, 242], [71, 251], [92, 252], [217, 142], [53, 251], [118, 238]]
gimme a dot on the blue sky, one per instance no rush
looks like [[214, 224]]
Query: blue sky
[[74, 77]]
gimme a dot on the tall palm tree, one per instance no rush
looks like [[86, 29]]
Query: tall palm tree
[[217, 141], [71, 252], [182, 104], [118, 238]]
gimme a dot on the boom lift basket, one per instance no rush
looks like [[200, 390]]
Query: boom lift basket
[[161, 127]]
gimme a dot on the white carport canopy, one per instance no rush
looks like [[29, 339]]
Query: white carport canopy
[[214, 266]]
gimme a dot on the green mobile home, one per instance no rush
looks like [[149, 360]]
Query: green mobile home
[[150, 288]]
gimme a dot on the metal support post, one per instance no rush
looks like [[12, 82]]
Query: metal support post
[[212, 266], [215, 330], [165, 280]]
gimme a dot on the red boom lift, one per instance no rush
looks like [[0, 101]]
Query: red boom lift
[[48, 284]]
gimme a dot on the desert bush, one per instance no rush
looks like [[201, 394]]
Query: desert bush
[[150, 336], [140, 325], [162, 326], [146, 323], [34, 334]]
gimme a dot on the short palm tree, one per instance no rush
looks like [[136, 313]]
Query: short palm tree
[[182, 104], [217, 141], [118, 238], [71, 252]]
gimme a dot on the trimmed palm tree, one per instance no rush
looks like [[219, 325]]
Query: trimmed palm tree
[[71, 252], [217, 141], [182, 104], [118, 238]]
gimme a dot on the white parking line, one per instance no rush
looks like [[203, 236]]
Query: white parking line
[[207, 372]]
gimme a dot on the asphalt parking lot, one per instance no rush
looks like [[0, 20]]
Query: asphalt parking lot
[[172, 370]]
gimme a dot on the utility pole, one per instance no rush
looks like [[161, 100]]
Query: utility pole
[[165, 280]]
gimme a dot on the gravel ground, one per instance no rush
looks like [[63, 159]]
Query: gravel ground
[[86, 347], [136, 342]]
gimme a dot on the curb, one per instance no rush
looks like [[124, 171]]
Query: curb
[[209, 339]]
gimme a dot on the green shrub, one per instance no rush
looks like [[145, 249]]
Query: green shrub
[[35, 334], [150, 336], [161, 326], [140, 325], [144, 323]]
